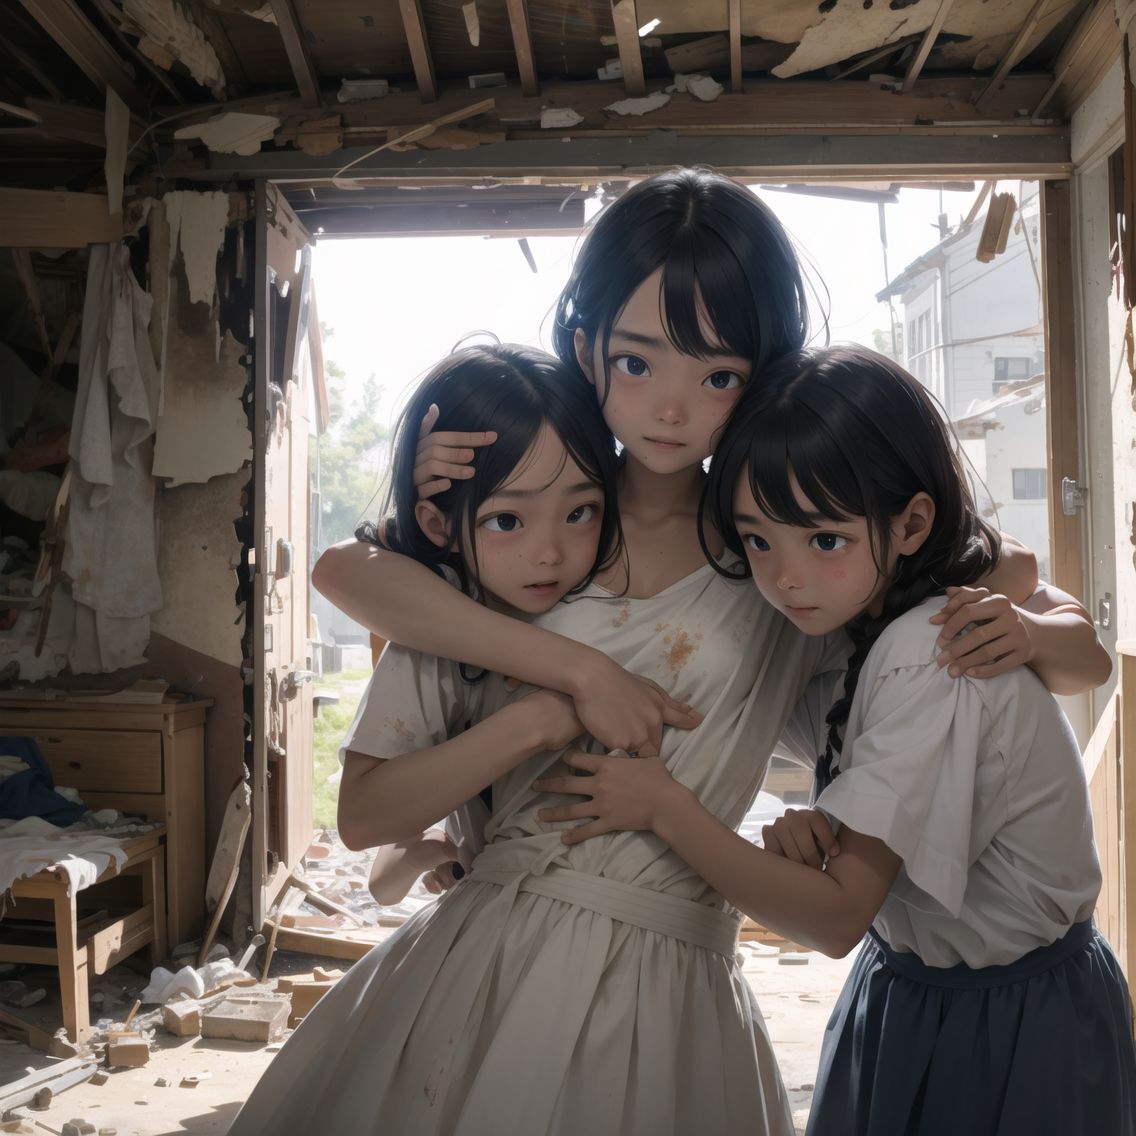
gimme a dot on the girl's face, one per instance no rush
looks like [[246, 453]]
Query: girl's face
[[537, 534], [820, 578], [663, 406]]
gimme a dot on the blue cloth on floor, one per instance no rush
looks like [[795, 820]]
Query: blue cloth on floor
[[31, 792]]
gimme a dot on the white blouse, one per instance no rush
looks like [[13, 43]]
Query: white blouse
[[978, 785]]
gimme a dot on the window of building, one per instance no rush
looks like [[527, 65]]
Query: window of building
[[1029, 484], [1010, 371]]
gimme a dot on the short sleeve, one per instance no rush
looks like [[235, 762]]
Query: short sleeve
[[907, 775], [803, 737], [412, 701]]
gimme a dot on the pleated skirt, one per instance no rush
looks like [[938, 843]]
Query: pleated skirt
[[1040, 1046]]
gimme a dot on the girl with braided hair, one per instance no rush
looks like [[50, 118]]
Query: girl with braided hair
[[983, 1001]]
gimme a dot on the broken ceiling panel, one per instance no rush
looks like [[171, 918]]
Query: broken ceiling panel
[[848, 29], [170, 36]]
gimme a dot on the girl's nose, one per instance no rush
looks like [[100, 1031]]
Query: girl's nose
[[549, 551], [785, 581]]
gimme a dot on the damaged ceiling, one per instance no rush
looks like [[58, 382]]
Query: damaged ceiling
[[444, 92]]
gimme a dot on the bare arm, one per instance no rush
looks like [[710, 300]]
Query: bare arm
[[1050, 632], [397, 866], [828, 910], [406, 603], [385, 801]]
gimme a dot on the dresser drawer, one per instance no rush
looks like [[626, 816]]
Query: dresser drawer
[[125, 761]]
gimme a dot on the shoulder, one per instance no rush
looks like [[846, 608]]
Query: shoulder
[[909, 641]]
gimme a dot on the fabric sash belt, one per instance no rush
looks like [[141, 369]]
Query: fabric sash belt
[[963, 977], [683, 919]]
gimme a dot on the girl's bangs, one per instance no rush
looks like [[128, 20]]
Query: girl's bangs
[[788, 447], [711, 283]]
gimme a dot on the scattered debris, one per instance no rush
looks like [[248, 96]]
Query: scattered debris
[[640, 106], [359, 90], [193, 1080], [319, 136], [559, 118], [472, 23], [233, 132], [182, 1019], [306, 990], [262, 1017], [98, 1077], [612, 69], [705, 88], [488, 79], [127, 1048], [78, 1127], [42, 1084]]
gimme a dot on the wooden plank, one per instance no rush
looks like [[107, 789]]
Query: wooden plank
[[351, 946], [184, 761], [1126, 685], [735, 33], [627, 36], [1073, 61], [1017, 48], [30, 285], [419, 49], [522, 44], [121, 939], [80, 39], [1062, 410], [38, 218], [296, 47], [928, 42]]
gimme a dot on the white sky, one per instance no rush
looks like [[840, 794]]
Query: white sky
[[397, 305]]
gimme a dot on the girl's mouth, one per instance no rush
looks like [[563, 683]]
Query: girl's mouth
[[665, 443]]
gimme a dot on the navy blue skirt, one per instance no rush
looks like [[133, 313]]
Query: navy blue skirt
[[1041, 1046]]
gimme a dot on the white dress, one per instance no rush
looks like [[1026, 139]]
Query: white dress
[[563, 990]]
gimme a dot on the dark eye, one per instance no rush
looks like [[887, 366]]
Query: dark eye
[[757, 543], [503, 522], [582, 514], [829, 542], [630, 365], [723, 380]]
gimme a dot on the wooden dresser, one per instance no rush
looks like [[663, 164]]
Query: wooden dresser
[[138, 758]]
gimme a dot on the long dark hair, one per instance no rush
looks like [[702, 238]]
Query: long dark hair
[[513, 390], [720, 248], [861, 437]]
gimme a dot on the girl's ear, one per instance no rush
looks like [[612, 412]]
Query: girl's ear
[[914, 524], [583, 355], [432, 522]]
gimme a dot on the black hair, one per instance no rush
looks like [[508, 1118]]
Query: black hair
[[861, 437], [721, 249], [513, 390]]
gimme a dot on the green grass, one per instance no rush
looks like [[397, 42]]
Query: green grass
[[328, 731]]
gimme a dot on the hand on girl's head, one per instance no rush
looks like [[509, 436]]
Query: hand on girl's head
[[983, 634], [440, 458]]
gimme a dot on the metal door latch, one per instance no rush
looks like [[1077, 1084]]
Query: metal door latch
[[1072, 496]]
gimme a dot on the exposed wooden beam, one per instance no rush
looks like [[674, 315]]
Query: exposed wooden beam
[[627, 35], [35, 218], [419, 49], [929, 37], [522, 43], [1061, 383], [299, 59], [80, 39], [26, 273], [1096, 28], [736, 46], [866, 60], [1017, 48]]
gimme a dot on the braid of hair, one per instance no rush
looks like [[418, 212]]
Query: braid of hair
[[901, 596]]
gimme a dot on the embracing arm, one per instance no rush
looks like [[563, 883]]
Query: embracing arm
[[402, 601], [385, 801], [827, 910]]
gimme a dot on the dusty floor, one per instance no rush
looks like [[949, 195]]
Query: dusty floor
[[795, 999]]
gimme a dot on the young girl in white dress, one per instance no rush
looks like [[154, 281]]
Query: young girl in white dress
[[596, 989], [984, 1001]]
